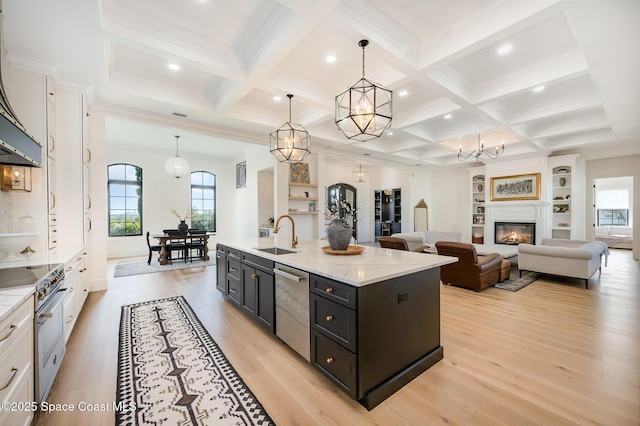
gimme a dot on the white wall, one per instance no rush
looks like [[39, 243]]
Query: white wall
[[162, 192]]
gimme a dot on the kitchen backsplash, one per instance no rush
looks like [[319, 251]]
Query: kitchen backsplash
[[6, 212]]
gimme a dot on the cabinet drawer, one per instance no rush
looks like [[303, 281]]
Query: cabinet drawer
[[221, 250], [235, 289], [333, 290], [334, 361], [258, 262], [233, 254], [13, 325], [233, 268], [334, 321], [16, 362]]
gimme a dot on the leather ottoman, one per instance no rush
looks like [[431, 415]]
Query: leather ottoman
[[505, 271]]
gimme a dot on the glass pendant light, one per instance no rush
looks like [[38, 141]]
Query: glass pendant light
[[177, 166], [290, 142]]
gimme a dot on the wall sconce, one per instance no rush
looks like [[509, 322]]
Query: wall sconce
[[16, 178]]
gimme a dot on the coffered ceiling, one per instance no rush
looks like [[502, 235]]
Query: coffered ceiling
[[440, 58]]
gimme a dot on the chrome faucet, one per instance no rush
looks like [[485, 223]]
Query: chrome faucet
[[276, 228]]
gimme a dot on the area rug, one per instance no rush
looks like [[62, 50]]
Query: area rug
[[140, 266], [515, 283], [172, 372]]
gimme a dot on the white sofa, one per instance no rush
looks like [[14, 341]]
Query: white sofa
[[615, 236], [427, 238], [569, 258]]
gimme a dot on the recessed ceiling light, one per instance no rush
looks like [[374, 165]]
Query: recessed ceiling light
[[447, 116], [389, 133], [504, 49], [331, 58], [538, 88], [277, 98], [174, 67], [403, 93]]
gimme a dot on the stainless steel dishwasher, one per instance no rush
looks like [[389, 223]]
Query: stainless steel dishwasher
[[292, 308]]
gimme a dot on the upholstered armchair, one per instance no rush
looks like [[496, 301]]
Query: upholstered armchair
[[471, 271]]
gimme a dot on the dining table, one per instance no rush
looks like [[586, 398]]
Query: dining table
[[187, 238]]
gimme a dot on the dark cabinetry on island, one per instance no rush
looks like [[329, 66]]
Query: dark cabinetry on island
[[247, 280], [370, 340]]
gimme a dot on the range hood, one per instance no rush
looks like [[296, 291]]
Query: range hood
[[17, 147]]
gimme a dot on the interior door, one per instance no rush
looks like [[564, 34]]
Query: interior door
[[342, 201]]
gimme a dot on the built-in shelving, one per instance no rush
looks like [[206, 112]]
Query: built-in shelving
[[478, 199], [303, 198], [561, 202]]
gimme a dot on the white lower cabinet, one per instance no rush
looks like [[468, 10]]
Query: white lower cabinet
[[76, 283], [16, 366]]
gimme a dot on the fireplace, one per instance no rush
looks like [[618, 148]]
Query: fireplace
[[515, 232]]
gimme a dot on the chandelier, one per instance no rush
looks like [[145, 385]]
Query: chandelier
[[290, 142], [364, 111], [480, 151], [177, 166], [360, 174]]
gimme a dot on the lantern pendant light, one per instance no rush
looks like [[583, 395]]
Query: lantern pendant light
[[364, 111], [290, 142], [360, 174], [177, 166]]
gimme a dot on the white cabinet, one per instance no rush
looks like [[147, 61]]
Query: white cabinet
[[76, 283], [52, 150], [52, 203], [16, 363], [478, 200]]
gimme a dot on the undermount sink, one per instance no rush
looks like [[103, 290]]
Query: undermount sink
[[275, 250]]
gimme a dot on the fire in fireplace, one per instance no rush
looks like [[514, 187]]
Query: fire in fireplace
[[515, 233]]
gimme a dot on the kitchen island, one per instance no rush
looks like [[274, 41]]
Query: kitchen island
[[373, 321]]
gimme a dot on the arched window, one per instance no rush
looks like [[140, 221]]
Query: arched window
[[203, 201], [125, 200]]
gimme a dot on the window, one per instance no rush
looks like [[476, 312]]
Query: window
[[613, 207], [613, 217], [203, 201], [125, 200]]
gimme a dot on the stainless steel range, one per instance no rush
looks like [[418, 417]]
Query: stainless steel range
[[49, 318]]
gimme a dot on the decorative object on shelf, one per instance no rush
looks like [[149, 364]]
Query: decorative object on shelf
[[177, 166], [360, 174], [25, 223], [516, 187], [480, 151], [480, 187], [312, 206], [562, 170], [16, 178], [27, 252], [562, 181], [364, 111], [290, 142], [349, 251], [299, 173], [339, 234]]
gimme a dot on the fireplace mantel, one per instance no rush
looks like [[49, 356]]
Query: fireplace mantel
[[515, 211]]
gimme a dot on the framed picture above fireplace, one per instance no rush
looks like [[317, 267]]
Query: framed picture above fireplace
[[517, 187]]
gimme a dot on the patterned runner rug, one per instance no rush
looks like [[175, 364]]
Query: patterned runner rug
[[515, 283], [172, 372]]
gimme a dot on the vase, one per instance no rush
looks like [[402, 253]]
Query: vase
[[563, 181], [339, 234], [182, 226]]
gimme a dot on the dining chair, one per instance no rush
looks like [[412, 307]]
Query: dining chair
[[196, 244], [152, 248], [178, 243]]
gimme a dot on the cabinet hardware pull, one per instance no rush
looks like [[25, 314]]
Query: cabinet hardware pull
[[233, 290], [254, 276], [14, 371], [329, 290], [53, 199], [53, 144], [233, 270], [329, 360], [329, 317], [88, 153], [13, 328]]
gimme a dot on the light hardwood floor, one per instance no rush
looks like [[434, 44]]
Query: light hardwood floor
[[552, 353]]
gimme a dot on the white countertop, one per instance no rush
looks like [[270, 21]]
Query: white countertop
[[12, 298], [57, 255], [372, 265]]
